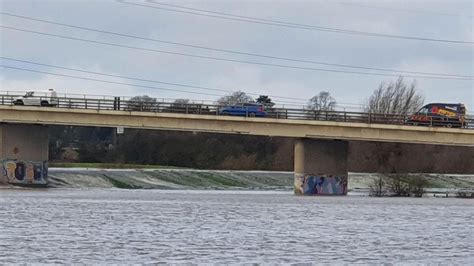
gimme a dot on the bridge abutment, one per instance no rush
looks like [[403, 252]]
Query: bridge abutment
[[24, 154], [320, 167]]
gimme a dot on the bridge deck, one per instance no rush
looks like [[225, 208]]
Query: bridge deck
[[237, 125]]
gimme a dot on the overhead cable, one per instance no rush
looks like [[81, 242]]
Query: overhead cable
[[405, 10], [135, 85], [228, 59], [141, 79], [227, 16], [225, 50], [106, 81]]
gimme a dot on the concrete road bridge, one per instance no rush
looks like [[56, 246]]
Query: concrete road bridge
[[321, 145]]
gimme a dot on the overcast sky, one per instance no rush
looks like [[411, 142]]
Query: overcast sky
[[447, 20]]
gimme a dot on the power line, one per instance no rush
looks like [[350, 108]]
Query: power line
[[141, 79], [406, 10], [227, 16], [106, 81], [226, 59], [304, 101], [122, 83], [130, 84], [225, 50]]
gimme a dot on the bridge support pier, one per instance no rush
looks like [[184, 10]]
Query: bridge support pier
[[320, 167], [24, 154]]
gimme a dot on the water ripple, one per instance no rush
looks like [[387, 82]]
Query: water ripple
[[152, 226]]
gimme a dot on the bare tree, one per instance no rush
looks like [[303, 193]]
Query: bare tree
[[398, 186], [141, 103], [320, 106], [180, 102], [238, 97], [377, 187], [322, 102], [417, 185], [187, 106], [396, 98]]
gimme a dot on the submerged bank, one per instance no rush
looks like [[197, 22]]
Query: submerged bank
[[169, 179], [218, 179], [443, 185]]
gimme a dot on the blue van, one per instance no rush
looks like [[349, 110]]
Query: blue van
[[246, 109]]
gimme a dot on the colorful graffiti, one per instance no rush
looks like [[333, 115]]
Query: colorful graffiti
[[25, 172], [320, 185]]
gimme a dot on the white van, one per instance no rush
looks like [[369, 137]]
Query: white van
[[48, 98]]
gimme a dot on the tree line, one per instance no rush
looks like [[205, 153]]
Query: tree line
[[394, 97]]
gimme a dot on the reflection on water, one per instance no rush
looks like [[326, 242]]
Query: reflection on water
[[152, 226]]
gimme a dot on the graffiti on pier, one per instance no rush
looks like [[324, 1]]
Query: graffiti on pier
[[25, 172], [320, 184]]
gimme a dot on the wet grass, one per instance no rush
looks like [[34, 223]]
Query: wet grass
[[199, 179], [52, 178], [110, 166], [119, 184], [220, 180], [185, 179]]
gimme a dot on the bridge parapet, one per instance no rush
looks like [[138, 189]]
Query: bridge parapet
[[152, 105]]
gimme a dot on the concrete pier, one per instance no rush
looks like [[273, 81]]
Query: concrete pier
[[320, 167], [24, 154]]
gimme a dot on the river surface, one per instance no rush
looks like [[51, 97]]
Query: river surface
[[188, 226]]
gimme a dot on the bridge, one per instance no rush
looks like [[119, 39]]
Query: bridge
[[320, 149]]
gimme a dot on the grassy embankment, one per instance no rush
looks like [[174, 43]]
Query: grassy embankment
[[110, 166]]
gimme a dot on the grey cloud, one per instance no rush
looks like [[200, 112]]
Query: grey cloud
[[308, 45]]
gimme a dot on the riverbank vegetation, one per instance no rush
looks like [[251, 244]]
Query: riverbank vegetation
[[397, 185], [240, 152]]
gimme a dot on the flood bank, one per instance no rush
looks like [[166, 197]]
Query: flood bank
[[169, 179], [437, 184]]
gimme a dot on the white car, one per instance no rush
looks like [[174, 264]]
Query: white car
[[40, 99]]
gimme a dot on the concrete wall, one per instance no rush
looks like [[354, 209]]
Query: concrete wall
[[320, 167], [23, 153], [379, 157]]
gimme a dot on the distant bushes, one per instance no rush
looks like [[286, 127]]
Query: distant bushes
[[243, 152], [396, 185]]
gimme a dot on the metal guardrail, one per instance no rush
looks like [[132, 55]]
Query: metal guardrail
[[118, 103], [355, 107]]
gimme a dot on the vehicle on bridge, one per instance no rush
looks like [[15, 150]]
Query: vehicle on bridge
[[246, 109], [440, 114], [48, 98]]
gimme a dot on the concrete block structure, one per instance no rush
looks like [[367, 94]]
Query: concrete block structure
[[320, 167], [24, 154]]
